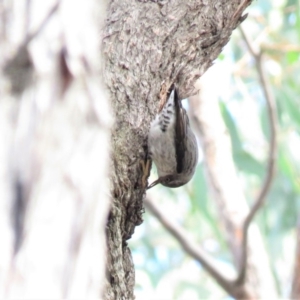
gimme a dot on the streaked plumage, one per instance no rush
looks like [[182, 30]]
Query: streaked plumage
[[172, 144]]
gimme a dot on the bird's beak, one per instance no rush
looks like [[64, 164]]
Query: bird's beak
[[153, 184]]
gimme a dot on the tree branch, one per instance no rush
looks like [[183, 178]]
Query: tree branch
[[230, 200], [35, 32], [271, 107], [18, 68], [196, 252]]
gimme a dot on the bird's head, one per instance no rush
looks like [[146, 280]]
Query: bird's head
[[172, 181]]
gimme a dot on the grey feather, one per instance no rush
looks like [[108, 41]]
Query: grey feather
[[172, 144]]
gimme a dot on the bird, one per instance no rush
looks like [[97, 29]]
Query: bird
[[172, 144]]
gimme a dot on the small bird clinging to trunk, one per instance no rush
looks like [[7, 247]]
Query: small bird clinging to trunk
[[172, 144]]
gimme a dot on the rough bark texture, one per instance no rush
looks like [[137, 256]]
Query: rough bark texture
[[148, 44], [55, 130], [54, 150]]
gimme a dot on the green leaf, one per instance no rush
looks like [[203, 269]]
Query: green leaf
[[292, 57], [231, 126], [248, 164]]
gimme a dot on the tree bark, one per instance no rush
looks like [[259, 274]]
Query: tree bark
[[55, 128], [148, 45], [54, 148]]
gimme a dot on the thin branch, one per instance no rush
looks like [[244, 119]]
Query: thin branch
[[238, 13], [27, 16], [271, 107], [237, 285], [35, 32], [281, 47], [31, 35], [18, 68], [196, 252]]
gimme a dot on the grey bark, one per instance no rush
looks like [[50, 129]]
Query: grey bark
[[55, 130], [54, 149], [149, 45]]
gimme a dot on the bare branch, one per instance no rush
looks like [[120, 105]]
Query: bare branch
[[33, 34], [238, 13], [281, 48], [230, 201], [19, 68], [271, 107], [196, 252]]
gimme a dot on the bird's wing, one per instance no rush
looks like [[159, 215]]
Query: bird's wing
[[180, 132]]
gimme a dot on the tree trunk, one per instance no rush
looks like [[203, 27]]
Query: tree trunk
[[55, 128], [148, 45], [54, 149]]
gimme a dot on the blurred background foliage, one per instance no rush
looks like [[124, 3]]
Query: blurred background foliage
[[163, 270]]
